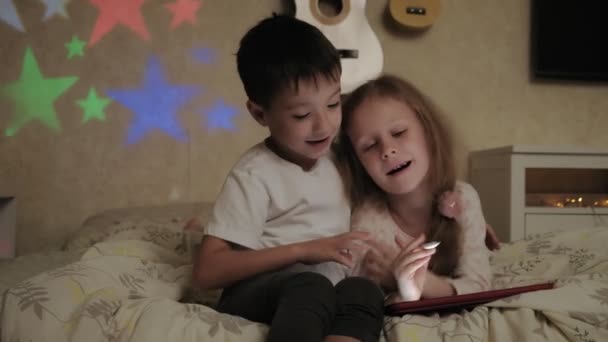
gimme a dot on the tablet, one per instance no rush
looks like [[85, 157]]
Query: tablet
[[456, 303]]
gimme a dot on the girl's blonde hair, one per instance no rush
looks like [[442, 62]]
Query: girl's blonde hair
[[442, 169]]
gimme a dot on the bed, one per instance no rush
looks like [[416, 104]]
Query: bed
[[125, 276]]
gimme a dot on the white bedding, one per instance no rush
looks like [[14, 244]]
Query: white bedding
[[130, 290], [13, 271]]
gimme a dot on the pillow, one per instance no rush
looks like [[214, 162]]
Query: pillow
[[167, 221]]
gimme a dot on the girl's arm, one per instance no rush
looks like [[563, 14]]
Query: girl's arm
[[220, 263], [473, 272], [437, 286]]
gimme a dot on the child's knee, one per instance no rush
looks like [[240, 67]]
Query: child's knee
[[313, 289], [358, 290], [308, 298], [360, 311]]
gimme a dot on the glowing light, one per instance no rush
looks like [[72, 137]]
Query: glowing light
[[8, 14], [220, 116], [75, 47], [204, 55], [183, 11], [55, 7], [35, 95], [93, 106], [113, 12], [155, 104]]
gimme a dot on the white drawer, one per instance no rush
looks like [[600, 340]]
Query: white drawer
[[544, 223]]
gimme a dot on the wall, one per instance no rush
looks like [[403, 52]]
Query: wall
[[474, 62]]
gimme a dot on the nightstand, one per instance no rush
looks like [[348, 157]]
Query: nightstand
[[527, 190], [8, 222]]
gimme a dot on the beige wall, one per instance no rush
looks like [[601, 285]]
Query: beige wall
[[473, 61]]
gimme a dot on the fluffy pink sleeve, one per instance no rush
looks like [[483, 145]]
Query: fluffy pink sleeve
[[473, 272]]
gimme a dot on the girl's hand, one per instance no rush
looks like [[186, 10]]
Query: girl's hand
[[450, 205], [339, 248], [410, 268], [377, 264]]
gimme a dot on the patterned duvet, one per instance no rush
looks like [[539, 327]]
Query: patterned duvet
[[137, 288]]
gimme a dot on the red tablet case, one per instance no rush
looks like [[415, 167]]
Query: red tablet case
[[456, 303]]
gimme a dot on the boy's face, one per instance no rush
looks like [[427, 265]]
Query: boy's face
[[303, 123]]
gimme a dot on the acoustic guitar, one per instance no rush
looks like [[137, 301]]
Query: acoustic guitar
[[349, 31], [415, 14]]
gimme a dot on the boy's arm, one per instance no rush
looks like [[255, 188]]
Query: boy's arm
[[220, 263]]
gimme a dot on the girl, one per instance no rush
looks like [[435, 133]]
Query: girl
[[396, 157]]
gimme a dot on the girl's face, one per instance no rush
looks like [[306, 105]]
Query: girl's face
[[390, 142]]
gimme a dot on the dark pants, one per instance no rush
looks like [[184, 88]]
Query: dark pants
[[307, 307]]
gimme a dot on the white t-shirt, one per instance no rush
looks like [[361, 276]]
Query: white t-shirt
[[267, 201]]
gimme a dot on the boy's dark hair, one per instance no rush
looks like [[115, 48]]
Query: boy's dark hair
[[280, 51]]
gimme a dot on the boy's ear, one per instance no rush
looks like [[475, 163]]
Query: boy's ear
[[257, 112]]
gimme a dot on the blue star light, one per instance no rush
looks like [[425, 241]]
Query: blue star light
[[204, 55], [8, 14], [155, 104], [220, 116], [54, 7]]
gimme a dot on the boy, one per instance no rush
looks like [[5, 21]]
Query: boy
[[278, 237]]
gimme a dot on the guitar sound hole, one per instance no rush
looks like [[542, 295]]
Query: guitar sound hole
[[330, 8], [348, 53], [416, 10]]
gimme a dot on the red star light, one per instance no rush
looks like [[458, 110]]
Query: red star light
[[112, 12], [183, 10]]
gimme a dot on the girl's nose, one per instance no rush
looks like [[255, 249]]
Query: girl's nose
[[388, 152]]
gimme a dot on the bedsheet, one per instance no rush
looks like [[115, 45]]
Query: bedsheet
[[13, 271], [137, 290]]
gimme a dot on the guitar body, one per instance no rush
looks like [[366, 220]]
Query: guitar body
[[350, 32], [416, 14]]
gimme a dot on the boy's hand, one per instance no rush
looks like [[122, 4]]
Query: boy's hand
[[377, 264], [339, 248]]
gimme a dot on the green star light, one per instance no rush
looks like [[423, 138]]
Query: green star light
[[75, 47], [35, 95], [93, 106]]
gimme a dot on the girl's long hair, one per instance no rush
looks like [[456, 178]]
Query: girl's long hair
[[442, 169]]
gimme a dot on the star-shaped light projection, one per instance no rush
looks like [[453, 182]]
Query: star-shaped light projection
[[75, 47], [112, 12], [93, 106], [183, 10], [219, 116], [204, 55], [8, 14], [34, 95], [156, 103], [55, 7]]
